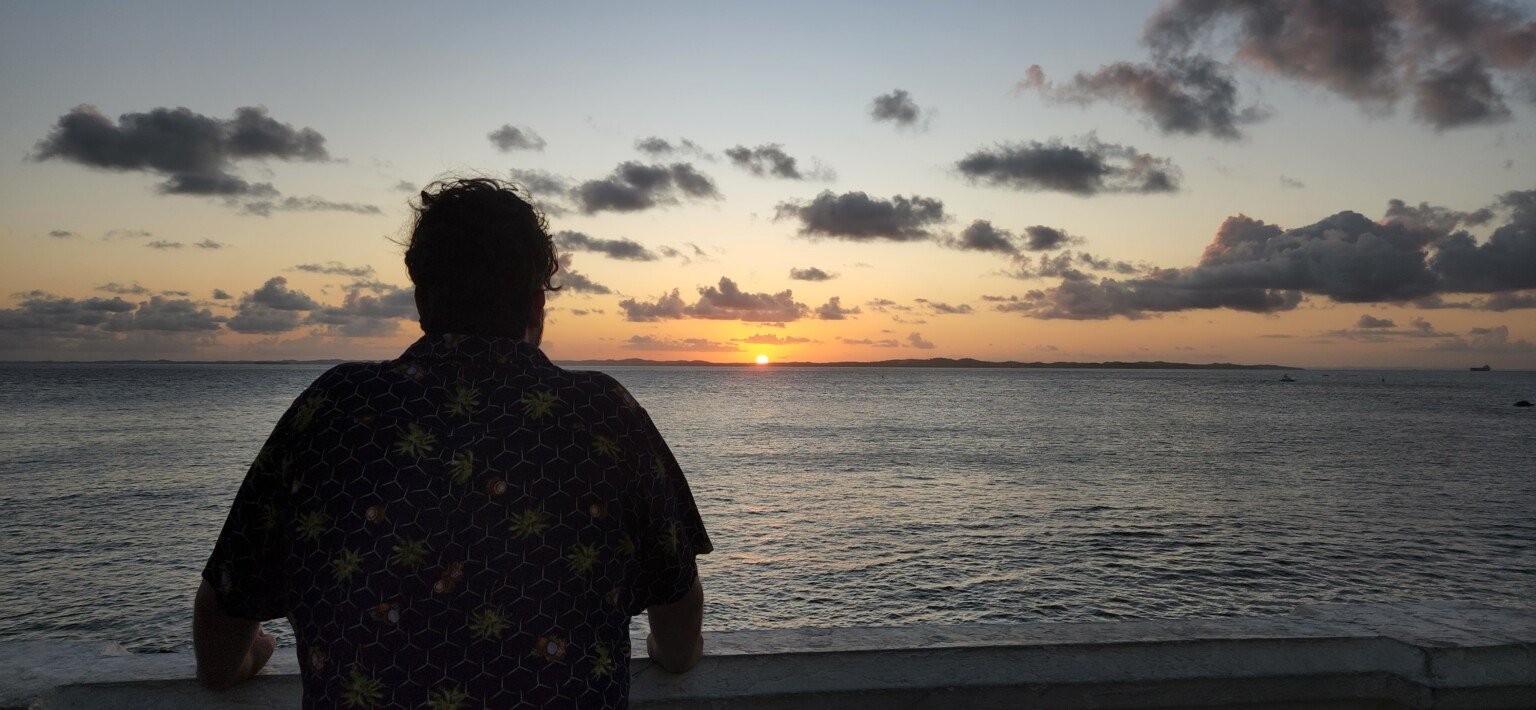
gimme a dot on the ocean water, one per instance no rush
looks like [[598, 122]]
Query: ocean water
[[847, 497]]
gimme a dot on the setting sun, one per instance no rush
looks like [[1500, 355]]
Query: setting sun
[[762, 359]]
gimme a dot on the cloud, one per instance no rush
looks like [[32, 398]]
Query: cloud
[[944, 309], [509, 138], [702, 345], [1445, 57], [44, 314], [336, 268], [810, 273], [624, 249], [1369, 321], [1180, 95], [1411, 255], [209, 244], [886, 343], [369, 310], [220, 294], [271, 309], [405, 186], [1291, 183], [833, 310], [915, 339], [723, 302], [265, 208], [541, 183], [115, 287], [898, 107], [771, 339], [163, 244], [657, 147], [633, 186], [855, 216], [1043, 238], [1086, 167], [127, 234], [770, 160], [570, 280], [669, 306], [276, 294], [1486, 340], [194, 152], [61, 233], [980, 235]]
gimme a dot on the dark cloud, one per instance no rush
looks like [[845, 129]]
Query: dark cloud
[[657, 147], [883, 305], [568, 279], [980, 235], [115, 287], [636, 186], [194, 152], [1486, 340], [1369, 321], [1188, 95], [541, 183], [771, 339], [210, 244], [897, 107], [810, 273], [41, 313], [509, 138], [833, 310], [770, 160], [885, 343], [1377, 330], [1414, 254], [944, 309], [915, 339], [220, 294], [163, 244], [723, 302], [405, 186], [1291, 183], [265, 208], [699, 345], [127, 234], [336, 268], [1086, 167], [256, 319], [1509, 301], [855, 216], [369, 310], [1043, 238], [1442, 55], [61, 234], [276, 294], [621, 248]]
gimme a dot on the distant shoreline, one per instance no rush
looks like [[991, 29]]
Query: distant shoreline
[[937, 362]]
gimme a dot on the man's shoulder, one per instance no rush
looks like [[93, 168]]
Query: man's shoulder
[[600, 385]]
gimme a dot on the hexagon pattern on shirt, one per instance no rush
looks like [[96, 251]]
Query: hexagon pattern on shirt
[[465, 526]]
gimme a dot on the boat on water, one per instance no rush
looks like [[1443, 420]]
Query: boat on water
[[1287, 378], [1484, 368]]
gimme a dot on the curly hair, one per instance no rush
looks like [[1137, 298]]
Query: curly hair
[[479, 254]]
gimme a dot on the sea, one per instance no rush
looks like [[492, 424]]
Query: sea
[[863, 496]]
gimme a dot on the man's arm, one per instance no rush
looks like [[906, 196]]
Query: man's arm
[[676, 642], [229, 649]]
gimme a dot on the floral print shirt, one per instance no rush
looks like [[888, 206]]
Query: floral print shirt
[[465, 526]]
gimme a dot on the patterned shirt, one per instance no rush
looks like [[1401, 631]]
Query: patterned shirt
[[466, 526]]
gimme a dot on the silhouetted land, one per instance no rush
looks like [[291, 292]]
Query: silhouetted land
[[961, 363]]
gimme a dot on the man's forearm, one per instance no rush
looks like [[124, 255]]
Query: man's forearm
[[676, 642], [229, 650]]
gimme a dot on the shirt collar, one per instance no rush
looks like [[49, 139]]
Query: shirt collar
[[476, 349]]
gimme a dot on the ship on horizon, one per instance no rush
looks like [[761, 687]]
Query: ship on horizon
[[1484, 368]]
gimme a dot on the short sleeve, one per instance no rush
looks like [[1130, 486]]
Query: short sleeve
[[666, 522], [246, 567]]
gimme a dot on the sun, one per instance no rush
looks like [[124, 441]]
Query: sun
[[762, 359]]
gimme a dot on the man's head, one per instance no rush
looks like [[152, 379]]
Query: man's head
[[481, 258]]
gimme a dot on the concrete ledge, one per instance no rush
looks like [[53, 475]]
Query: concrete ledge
[[1454, 655]]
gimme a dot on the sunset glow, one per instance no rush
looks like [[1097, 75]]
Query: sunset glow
[[762, 359], [880, 203]]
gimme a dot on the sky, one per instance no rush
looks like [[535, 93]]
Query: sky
[[1310, 184]]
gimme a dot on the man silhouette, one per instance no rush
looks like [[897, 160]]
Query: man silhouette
[[467, 525]]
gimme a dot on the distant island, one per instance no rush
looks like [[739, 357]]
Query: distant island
[[936, 362], [942, 362]]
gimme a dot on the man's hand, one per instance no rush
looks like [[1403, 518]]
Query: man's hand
[[229, 650], [676, 642]]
